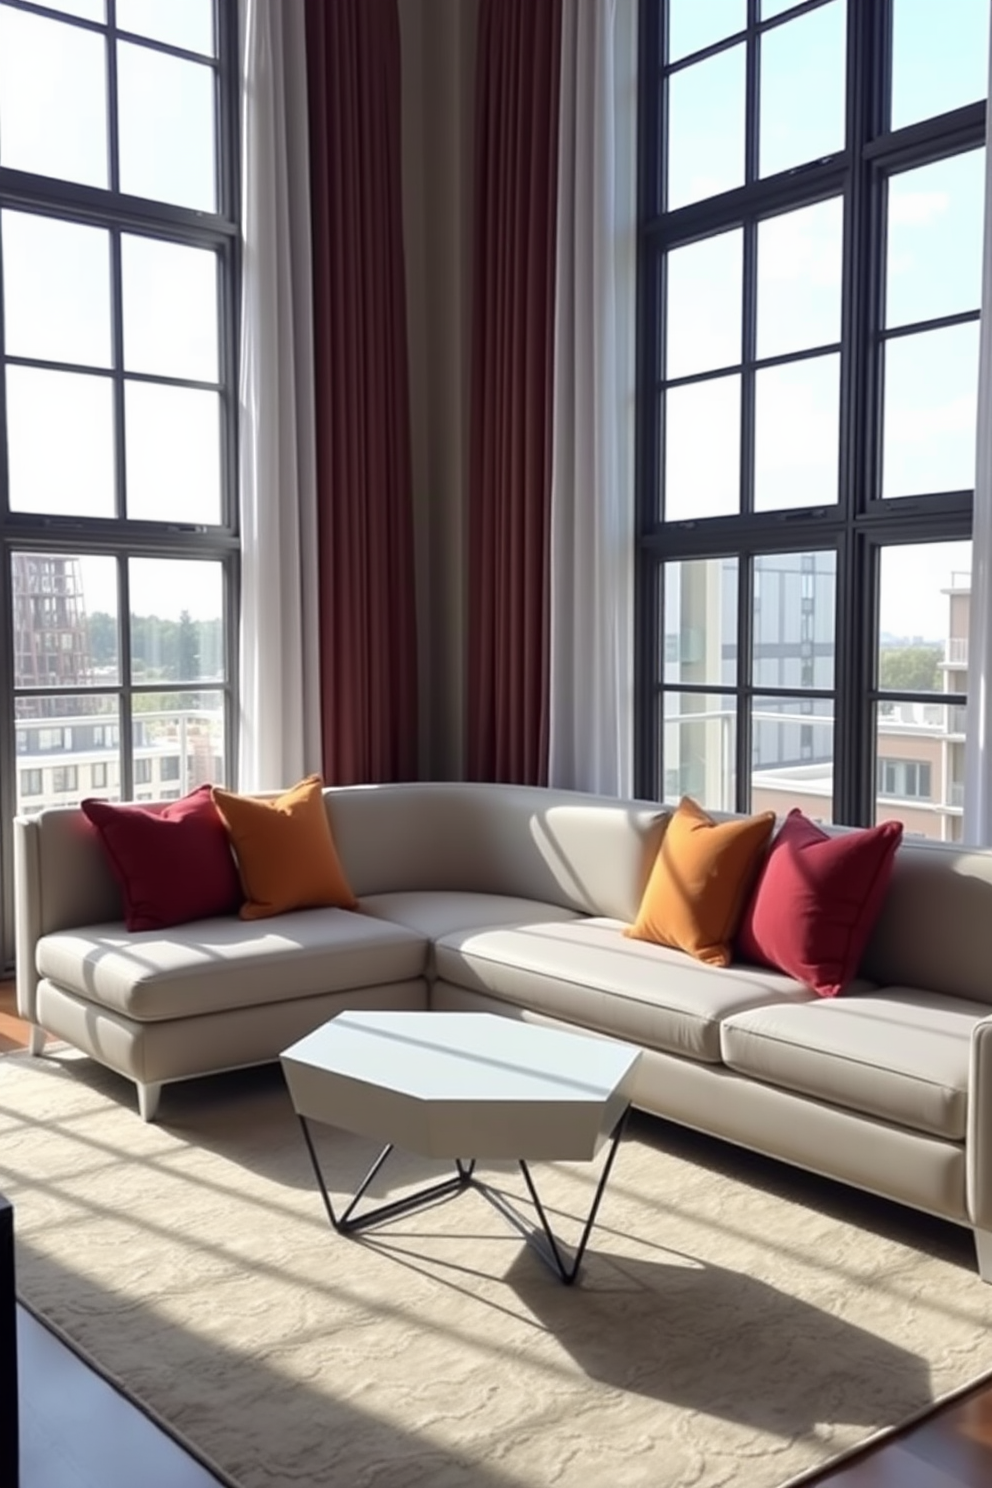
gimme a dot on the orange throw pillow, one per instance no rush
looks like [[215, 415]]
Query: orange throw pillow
[[285, 852], [700, 882]]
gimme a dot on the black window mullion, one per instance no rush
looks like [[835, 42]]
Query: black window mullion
[[749, 328], [113, 116], [752, 85], [117, 332]]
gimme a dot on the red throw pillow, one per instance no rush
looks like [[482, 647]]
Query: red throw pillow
[[816, 901], [172, 865]]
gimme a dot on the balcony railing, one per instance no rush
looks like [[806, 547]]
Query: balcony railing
[[956, 652]]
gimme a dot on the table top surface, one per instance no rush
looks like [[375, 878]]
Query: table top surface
[[466, 1057]]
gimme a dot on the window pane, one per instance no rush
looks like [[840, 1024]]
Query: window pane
[[703, 449], [706, 128], [924, 604], [700, 640], [177, 627], [919, 774], [799, 279], [924, 617], [65, 620], [53, 98], [803, 68], [931, 396], [795, 618], [769, 8], [705, 291], [56, 289], [698, 748], [178, 742], [60, 443], [87, 10], [792, 755], [173, 453], [166, 99], [797, 434], [181, 23], [934, 263], [170, 309], [692, 26], [936, 65], [68, 747]]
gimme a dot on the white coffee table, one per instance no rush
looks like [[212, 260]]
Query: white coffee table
[[464, 1087]]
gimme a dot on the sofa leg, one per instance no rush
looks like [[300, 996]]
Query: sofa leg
[[983, 1249], [148, 1098], [36, 1039]]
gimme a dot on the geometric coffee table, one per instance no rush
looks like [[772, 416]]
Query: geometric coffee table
[[465, 1087]]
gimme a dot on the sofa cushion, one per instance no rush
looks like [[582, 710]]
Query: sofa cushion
[[172, 865], [286, 854], [895, 1053], [227, 963], [588, 972], [438, 912], [701, 879], [816, 900]]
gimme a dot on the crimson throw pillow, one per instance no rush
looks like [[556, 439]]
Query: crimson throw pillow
[[172, 865], [816, 901]]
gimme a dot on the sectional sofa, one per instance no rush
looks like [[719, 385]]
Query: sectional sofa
[[513, 900]]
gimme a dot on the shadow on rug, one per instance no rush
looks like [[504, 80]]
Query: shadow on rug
[[736, 1321]]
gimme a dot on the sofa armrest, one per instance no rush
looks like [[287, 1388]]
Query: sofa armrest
[[979, 1135]]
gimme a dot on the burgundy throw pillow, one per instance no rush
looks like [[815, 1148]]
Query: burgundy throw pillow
[[171, 865], [816, 901]]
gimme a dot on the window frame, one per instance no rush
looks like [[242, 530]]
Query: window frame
[[863, 522], [123, 537]]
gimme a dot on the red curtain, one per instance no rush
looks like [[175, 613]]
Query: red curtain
[[514, 241], [364, 483]]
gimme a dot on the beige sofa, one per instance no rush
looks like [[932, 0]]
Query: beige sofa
[[512, 899]]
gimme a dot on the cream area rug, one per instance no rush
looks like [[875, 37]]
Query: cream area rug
[[736, 1321]]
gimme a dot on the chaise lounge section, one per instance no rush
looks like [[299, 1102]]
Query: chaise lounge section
[[513, 900]]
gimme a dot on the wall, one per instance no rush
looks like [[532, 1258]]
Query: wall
[[438, 38]]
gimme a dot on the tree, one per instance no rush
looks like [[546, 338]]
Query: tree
[[188, 648], [910, 668], [101, 632]]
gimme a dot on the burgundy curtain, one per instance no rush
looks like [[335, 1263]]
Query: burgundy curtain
[[366, 554], [514, 240]]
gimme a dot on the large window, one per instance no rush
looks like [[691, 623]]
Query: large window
[[812, 193], [118, 311]]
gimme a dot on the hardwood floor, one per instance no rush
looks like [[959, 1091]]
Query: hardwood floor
[[952, 1448]]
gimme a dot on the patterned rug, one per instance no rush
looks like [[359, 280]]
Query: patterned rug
[[736, 1321]]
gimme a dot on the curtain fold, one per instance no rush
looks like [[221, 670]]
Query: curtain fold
[[512, 363], [279, 725], [977, 825], [592, 489], [364, 477]]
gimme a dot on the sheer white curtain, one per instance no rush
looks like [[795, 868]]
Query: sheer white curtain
[[279, 726], [978, 745], [592, 492]]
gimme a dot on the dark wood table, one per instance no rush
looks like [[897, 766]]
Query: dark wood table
[[9, 1438]]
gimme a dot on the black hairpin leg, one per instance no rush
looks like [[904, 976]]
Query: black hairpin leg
[[348, 1222], [544, 1241]]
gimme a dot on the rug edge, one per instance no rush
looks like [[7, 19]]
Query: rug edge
[[887, 1433], [109, 1378]]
